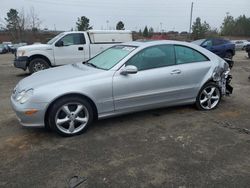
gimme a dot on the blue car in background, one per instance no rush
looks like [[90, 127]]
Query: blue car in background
[[221, 47]]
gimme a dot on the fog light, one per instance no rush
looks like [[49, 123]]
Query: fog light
[[31, 111]]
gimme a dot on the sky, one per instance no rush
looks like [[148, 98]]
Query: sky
[[160, 14]]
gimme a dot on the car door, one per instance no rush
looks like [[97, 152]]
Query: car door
[[153, 84], [70, 49]]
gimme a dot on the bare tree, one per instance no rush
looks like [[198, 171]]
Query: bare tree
[[35, 22]]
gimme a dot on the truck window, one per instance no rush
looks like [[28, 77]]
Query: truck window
[[73, 39]]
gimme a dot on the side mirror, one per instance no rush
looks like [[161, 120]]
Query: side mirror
[[59, 43], [204, 45], [130, 69]]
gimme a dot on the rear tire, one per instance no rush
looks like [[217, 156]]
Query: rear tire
[[38, 64], [70, 116], [209, 97]]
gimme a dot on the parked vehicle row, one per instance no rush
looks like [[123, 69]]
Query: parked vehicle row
[[3, 49], [125, 78], [7, 47], [240, 44], [68, 47]]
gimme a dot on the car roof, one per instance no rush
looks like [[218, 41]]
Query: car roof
[[147, 43]]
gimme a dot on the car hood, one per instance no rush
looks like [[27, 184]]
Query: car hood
[[35, 47], [58, 74]]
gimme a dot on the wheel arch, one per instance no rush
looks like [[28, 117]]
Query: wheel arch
[[95, 111], [204, 83], [39, 56]]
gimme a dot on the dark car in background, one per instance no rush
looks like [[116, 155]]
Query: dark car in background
[[3, 49], [221, 47], [248, 50]]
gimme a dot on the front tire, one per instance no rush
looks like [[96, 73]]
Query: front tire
[[70, 116], [38, 64], [209, 97]]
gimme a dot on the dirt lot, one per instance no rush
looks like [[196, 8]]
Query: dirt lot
[[171, 147]]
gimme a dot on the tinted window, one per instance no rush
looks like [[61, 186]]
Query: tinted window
[[217, 42], [199, 42], [73, 39], [153, 57], [207, 43], [188, 55]]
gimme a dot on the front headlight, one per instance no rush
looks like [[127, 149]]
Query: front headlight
[[24, 96], [20, 53]]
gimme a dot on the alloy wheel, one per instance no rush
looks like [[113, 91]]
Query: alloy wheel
[[209, 97], [71, 118]]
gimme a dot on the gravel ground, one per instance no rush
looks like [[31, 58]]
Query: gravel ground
[[170, 147]]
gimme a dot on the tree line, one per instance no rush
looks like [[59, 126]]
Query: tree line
[[231, 26], [17, 23]]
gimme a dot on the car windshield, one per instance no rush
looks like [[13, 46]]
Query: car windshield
[[110, 57], [198, 42], [51, 41]]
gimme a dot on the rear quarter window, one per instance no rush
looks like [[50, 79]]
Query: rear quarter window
[[188, 55]]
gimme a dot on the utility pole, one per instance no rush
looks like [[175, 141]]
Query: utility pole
[[191, 17]]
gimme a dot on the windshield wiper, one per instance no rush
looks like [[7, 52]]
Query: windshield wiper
[[90, 64]]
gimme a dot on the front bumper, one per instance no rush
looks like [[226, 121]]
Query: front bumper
[[21, 62], [34, 120]]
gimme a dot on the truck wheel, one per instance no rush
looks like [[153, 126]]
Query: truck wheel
[[38, 64], [229, 55]]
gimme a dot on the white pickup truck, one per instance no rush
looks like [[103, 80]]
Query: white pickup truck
[[67, 48]]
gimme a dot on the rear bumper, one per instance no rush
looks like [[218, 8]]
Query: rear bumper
[[21, 62], [234, 52], [247, 48]]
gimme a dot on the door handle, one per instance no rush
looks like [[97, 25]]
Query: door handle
[[176, 72], [80, 48]]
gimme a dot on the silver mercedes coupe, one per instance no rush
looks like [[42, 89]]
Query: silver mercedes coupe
[[125, 78]]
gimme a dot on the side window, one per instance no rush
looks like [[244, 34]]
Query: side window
[[73, 39], [217, 42], [153, 57], [188, 55], [207, 43]]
